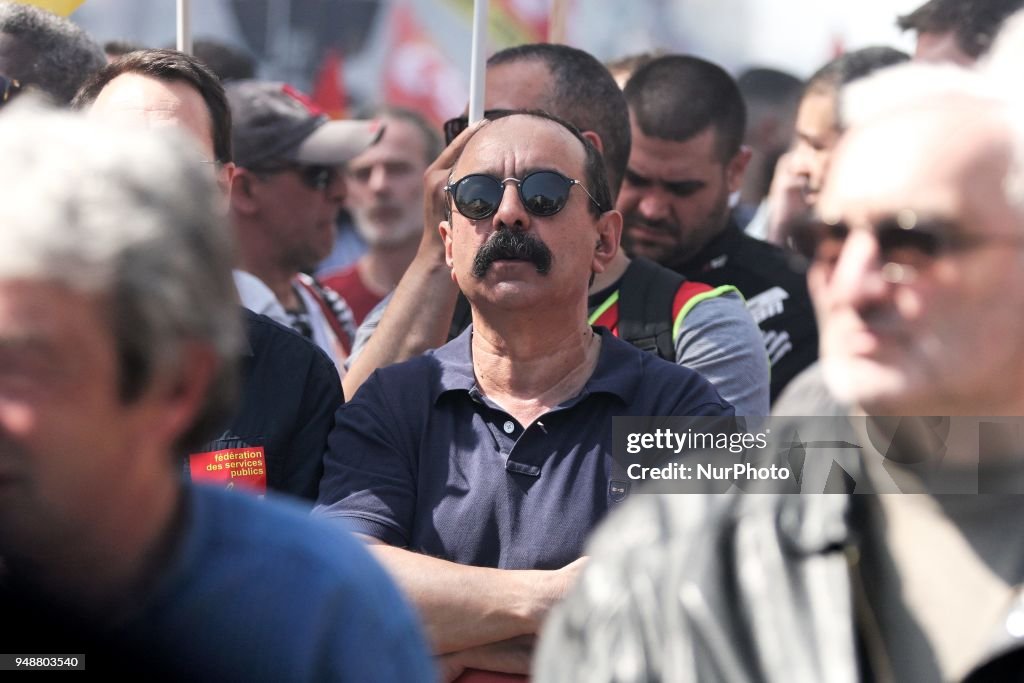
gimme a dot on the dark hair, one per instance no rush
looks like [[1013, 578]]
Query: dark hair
[[853, 65], [230, 63], [173, 67], [63, 56], [677, 97], [119, 48], [630, 63], [595, 177], [583, 92], [974, 23], [761, 84]]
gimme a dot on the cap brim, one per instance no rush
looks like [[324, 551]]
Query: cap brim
[[336, 142]]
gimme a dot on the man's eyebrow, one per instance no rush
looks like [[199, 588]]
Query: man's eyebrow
[[27, 341], [637, 178], [811, 140], [671, 185], [28, 350], [683, 185]]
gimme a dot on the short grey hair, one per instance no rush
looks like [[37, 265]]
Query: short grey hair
[[923, 85], [64, 54], [134, 217]]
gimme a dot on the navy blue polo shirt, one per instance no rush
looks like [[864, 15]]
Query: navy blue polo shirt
[[420, 459]]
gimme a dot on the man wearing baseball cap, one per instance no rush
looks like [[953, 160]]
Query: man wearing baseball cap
[[285, 195]]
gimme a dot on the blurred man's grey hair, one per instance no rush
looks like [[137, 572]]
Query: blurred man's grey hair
[[918, 84], [50, 53], [131, 216]]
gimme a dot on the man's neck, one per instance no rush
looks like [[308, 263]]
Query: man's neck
[[278, 280], [706, 251], [104, 565], [381, 268], [612, 273], [530, 373]]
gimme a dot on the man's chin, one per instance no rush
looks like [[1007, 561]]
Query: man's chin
[[644, 249]]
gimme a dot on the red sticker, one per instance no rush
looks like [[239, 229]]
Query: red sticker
[[245, 467]]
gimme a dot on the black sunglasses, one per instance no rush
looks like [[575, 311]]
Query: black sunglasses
[[453, 127], [543, 193], [903, 240], [315, 177], [9, 87]]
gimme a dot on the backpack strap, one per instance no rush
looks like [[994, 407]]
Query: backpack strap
[[461, 317], [335, 310], [647, 293]]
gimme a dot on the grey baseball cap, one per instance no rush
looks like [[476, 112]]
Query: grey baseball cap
[[272, 122]]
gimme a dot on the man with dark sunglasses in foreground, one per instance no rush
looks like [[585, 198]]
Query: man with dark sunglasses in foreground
[[285, 195], [476, 470]]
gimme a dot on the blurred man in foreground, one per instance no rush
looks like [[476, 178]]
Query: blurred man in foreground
[[917, 277], [119, 336]]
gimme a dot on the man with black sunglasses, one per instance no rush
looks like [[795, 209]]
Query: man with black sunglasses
[[476, 470], [285, 195], [695, 325], [290, 387]]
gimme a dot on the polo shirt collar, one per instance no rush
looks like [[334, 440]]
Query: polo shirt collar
[[618, 371], [455, 360]]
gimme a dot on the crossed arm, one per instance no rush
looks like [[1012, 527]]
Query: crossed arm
[[477, 617]]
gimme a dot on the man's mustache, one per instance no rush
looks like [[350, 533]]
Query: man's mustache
[[512, 244]]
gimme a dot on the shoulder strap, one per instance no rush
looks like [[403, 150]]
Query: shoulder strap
[[461, 317], [646, 295], [332, 307]]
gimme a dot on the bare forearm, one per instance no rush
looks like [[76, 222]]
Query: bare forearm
[[512, 656], [466, 607], [420, 312], [417, 319]]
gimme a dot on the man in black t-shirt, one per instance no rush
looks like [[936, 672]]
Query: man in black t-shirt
[[688, 117]]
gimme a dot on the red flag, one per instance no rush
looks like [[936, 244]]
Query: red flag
[[417, 73], [329, 87], [529, 18]]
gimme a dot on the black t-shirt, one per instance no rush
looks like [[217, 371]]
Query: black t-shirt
[[774, 286]]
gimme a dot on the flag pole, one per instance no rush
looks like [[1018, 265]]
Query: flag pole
[[184, 16], [478, 65]]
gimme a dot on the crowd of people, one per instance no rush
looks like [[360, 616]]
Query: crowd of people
[[231, 449]]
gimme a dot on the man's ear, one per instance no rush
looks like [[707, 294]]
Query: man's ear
[[173, 400], [243, 194], [445, 228], [595, 139], [736, 167], [606, 246], [225, 176]]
